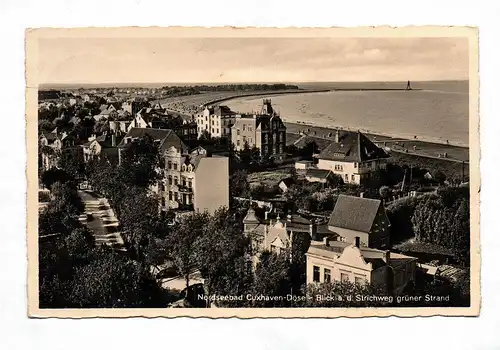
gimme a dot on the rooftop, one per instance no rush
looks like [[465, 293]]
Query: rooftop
[[318, 173], [352, 147], [354, 213]]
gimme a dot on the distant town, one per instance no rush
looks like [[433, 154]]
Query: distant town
[[165, 197]]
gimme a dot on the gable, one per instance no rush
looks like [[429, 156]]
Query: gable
[[277, 242], [352, 256]]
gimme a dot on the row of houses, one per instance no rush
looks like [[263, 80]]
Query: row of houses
[[353, 245], [264, 130]]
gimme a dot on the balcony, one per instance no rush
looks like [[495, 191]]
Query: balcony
[[184, 188]]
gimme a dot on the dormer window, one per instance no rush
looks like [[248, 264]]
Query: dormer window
[[183, 167]]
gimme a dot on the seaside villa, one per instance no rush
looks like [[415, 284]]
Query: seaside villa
[[350, 262], [352, 156]]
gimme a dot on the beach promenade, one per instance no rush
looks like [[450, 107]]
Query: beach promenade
[[415, 147]]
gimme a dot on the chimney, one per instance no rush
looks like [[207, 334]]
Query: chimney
[[356, 240], [326, 241], [113, 140], [388, 257], [337, 136], [312, 231], [361, 195]]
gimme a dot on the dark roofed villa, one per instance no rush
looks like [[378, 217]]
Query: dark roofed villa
[[360, 217], [352, 156]]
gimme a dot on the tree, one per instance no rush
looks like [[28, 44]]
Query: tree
[[138, 217], [238, 184], [272, 280], [385, 192], [439, 176], [65, 199], [218, 249], [72, 162], [113, 281], [141, 163], [181, 242], [53, 175], [79, 245]]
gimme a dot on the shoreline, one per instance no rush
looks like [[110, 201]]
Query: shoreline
[[266, 93], [380, 136], [282, 92], [417, 147]]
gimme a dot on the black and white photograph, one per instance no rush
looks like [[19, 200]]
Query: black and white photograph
[[253, 173]]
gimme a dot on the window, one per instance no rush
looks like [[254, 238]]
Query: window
[[212, 122], [190, 184], [170, 164], [213, 130], [355, 165], [176, 196], [243, 127], [162, 187], [249, 128], [176, 181], [344, 277], [328, 275], [170, 195], [352, 178], [346, 178], [184, 181], [338, 167], [162, 201], [237, 131], [315, 273], [237, 142], [175, 166], [170, 179], [359, 280], [217, 130], [244, 139]]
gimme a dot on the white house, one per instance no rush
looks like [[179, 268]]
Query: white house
[[352, 156]]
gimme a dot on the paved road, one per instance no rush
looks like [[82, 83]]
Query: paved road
[[104, 224]]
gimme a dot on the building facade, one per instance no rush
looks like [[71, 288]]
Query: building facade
[[352, 156], [215, 121], [345, 262], [192, 181], [266, 131]]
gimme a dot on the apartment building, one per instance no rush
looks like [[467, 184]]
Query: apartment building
[[352, 156], [266, 131], [331, 261], [216, 121], [192, 181]]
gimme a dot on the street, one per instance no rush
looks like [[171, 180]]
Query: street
[[104, 223]]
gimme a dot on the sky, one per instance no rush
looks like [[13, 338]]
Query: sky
[[219, 60]]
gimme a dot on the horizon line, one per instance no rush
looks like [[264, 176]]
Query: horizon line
[[253, 82]]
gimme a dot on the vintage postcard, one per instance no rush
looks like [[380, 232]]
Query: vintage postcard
[[253, 172]]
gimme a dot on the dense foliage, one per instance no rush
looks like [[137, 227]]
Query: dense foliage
[[445, 220]]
